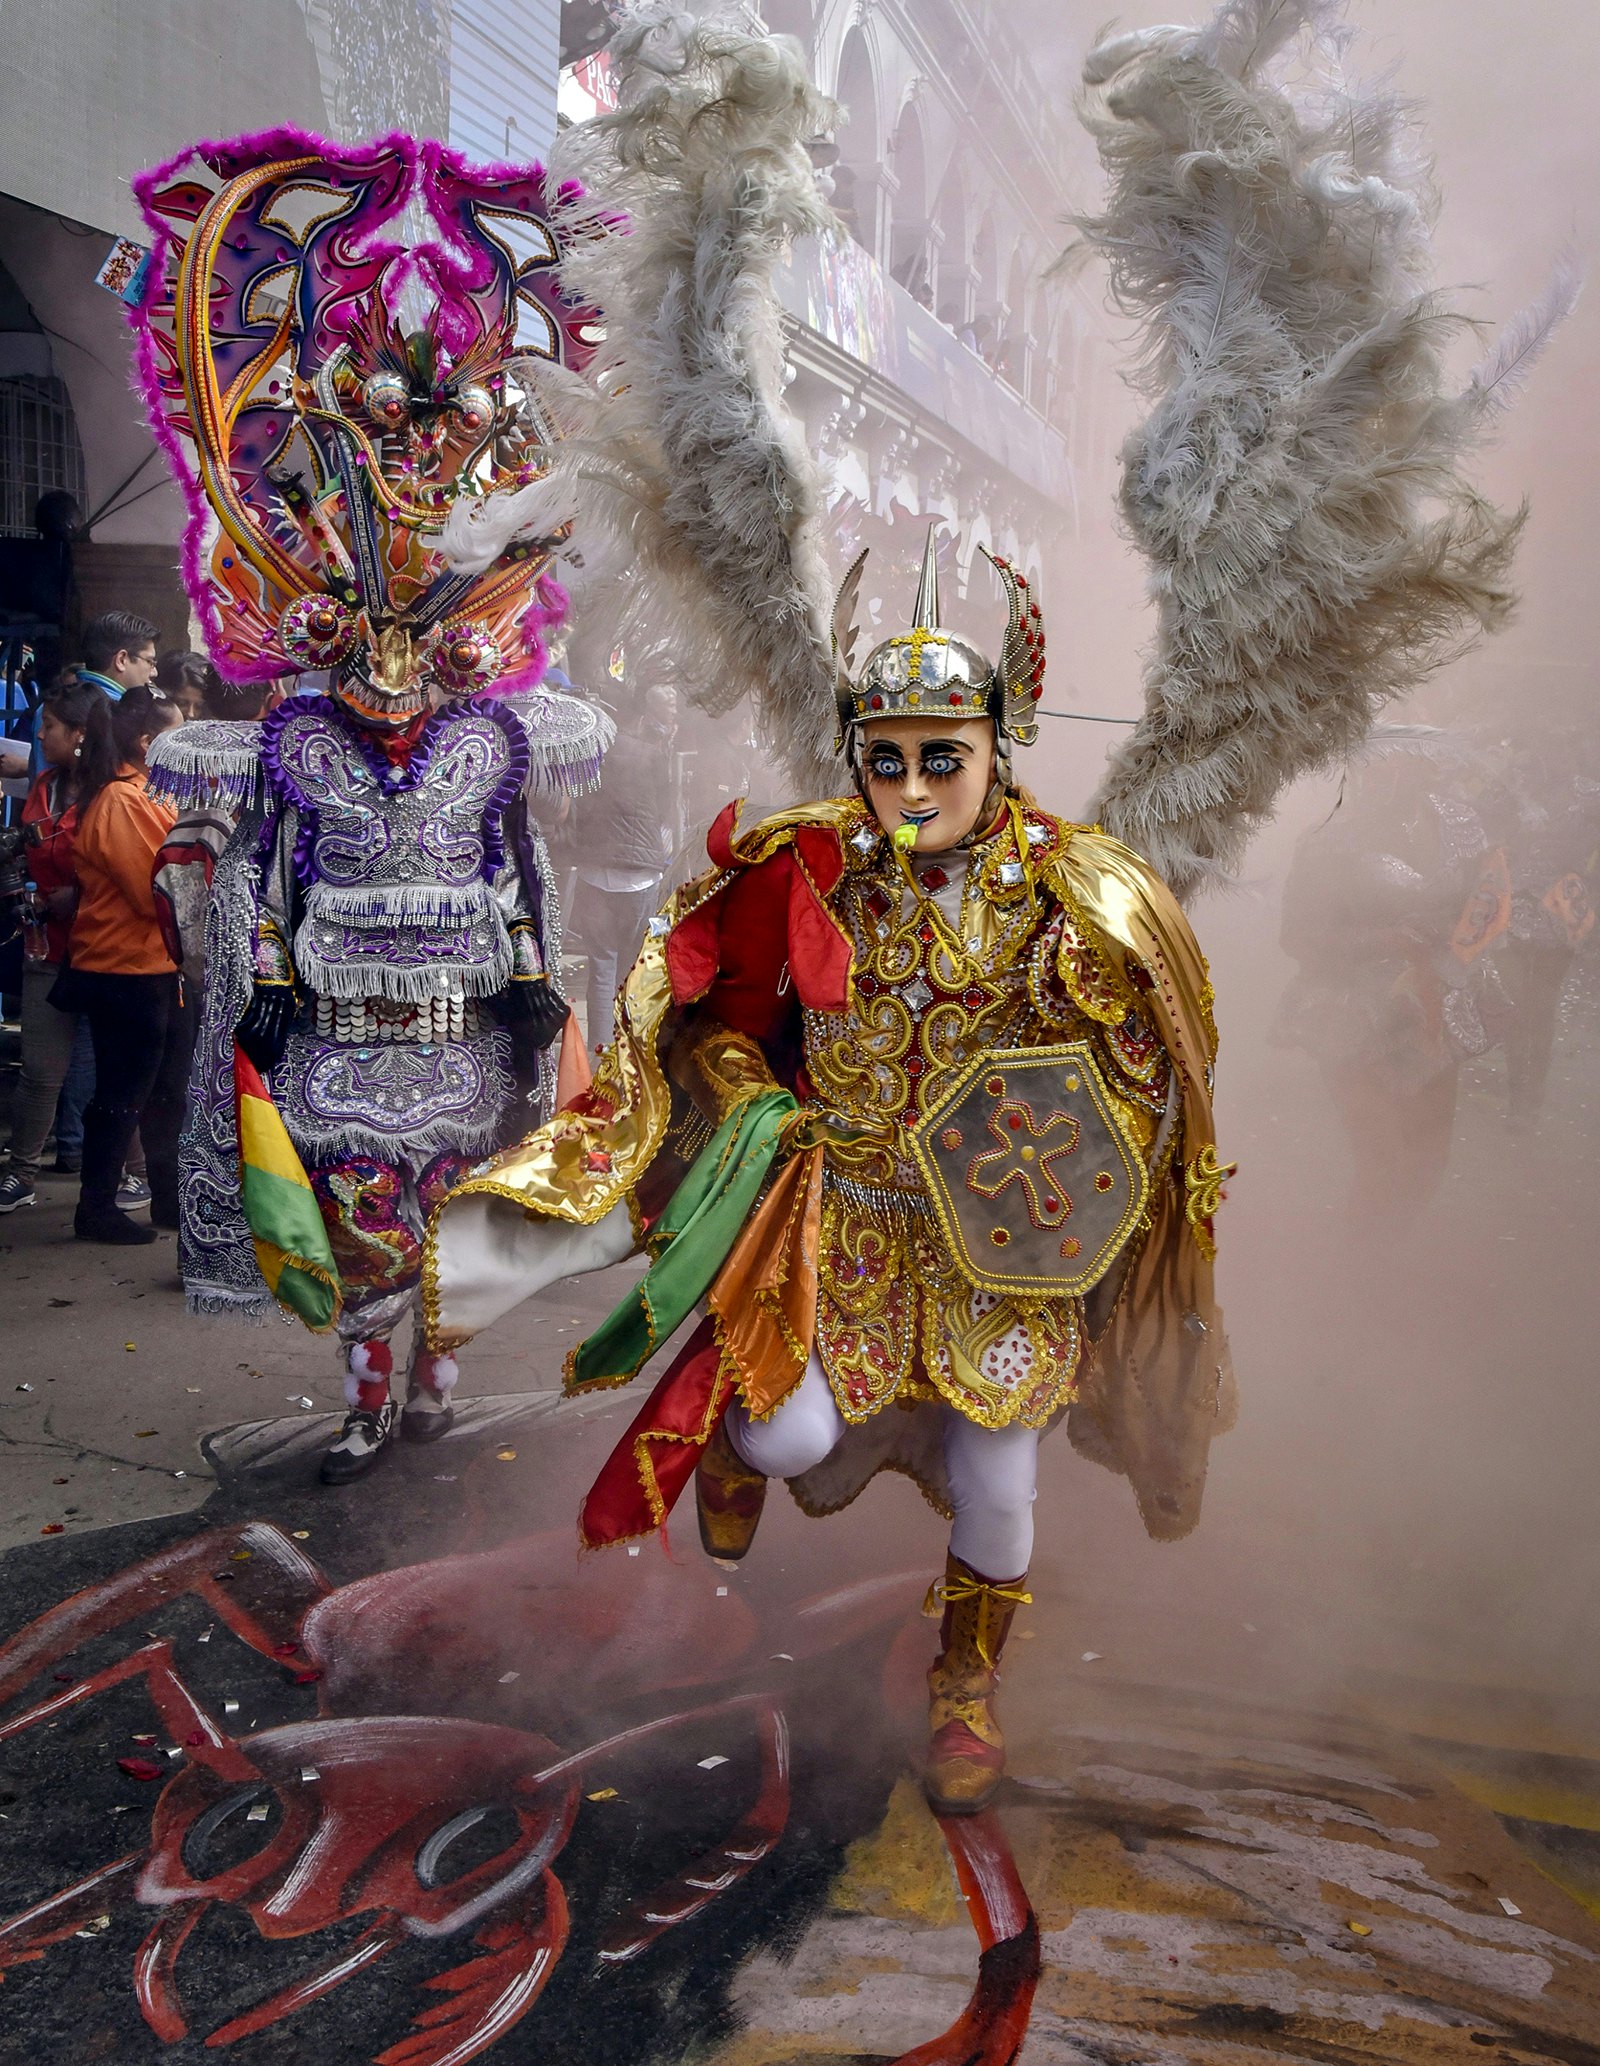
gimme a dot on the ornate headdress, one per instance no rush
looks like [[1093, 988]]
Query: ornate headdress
[[328, 352], [928, 671]]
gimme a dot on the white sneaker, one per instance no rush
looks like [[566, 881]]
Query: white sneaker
[[14, 1193], [359, 1444], [133, 1194]]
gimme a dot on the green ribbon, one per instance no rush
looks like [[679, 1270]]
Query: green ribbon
[[692, 1238]]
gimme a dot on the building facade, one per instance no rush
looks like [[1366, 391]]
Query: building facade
[[942, 367]]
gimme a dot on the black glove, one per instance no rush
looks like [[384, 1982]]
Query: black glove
[[263, 1032], [534, 1013]]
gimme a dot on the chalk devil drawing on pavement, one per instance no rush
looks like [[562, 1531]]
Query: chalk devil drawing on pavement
[[436, 1828]]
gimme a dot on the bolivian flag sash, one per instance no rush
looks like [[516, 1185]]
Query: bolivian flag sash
[[280, 1207]]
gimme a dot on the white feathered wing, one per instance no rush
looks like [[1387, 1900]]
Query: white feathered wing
[[1299, 487], [677, 455]]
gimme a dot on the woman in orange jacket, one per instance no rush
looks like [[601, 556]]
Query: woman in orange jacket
[[126, 984]]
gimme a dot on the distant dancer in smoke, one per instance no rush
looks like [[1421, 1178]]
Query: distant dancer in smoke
[[1393, 905]]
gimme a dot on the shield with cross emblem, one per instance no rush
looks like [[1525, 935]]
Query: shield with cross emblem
[[1034, 1181]]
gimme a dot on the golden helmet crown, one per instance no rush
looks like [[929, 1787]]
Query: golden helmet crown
[[928, 670]]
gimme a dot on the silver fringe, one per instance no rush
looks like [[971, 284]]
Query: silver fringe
[[208, 761]]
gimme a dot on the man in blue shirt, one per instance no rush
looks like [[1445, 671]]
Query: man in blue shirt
[[119, 652]]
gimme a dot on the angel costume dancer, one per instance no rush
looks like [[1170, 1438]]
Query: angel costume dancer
[[328, 353], [913, 1090]]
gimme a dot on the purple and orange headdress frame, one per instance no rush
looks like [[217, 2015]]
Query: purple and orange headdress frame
[[278, 259]]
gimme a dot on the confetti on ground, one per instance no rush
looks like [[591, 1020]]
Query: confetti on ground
[[308, 1677], [144, 1434], [258, 1813], [505, 1455], [129, 1346], [243, 1556], [193, 1389], [1359, 1929], [24, 1388], [782, 1657], [722, 1592], [605, 1793], [1510, 1907], [302, 1534], [308, 1773], [205, 1634], [711, 1764], [61, 1481], [94, 1929], [305, 1403], [507, 1676], [141, 1739], [139, 1768], [230, 1707], [53, 1528], [633, 1549]]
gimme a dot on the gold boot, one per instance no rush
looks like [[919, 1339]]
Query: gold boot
[[728, 1497], [966, 1751]]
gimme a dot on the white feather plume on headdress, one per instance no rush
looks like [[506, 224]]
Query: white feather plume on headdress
[[677, 452], [1316, 548]]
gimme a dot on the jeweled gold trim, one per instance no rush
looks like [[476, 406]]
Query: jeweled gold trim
[[1203, 1179]]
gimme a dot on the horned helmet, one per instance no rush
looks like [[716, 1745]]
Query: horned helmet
[[929, 670]]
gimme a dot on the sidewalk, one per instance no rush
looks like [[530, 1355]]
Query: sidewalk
[[108, 1385]]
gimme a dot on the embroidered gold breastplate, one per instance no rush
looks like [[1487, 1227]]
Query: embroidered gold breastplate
[[1015, 968]]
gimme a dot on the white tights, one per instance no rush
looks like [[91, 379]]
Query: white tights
[[992, 1471]]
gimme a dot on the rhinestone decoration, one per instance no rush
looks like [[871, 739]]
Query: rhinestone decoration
[[918, 995], [317, 631], [864, 840], [466, 659], [1010, 873], [387, 399]]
